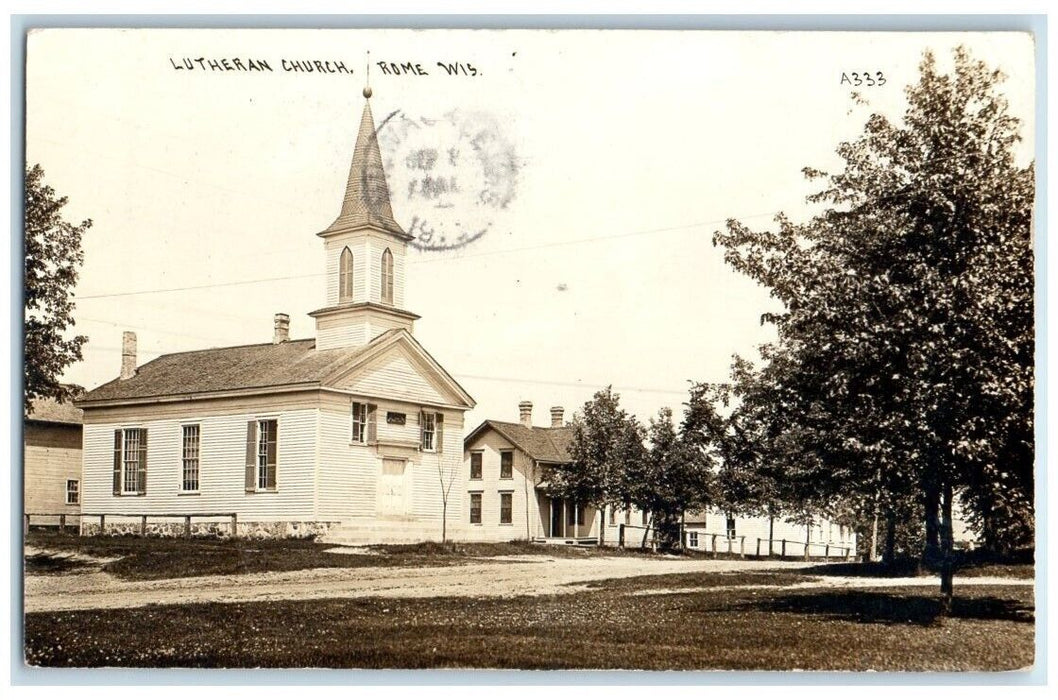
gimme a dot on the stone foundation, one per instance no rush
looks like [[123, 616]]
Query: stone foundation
[[258, 530]]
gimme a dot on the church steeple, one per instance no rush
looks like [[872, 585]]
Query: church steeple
[[366, 202], [365, 251]]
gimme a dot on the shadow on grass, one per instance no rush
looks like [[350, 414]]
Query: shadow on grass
[[964, 567], [887, 608], [49, 564]]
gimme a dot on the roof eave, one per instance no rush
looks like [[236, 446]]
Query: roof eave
[[87, 404], [337, 228]]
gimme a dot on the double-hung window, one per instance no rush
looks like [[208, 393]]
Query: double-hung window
[[130, 461], [262, 454], [431, 431], [73, 492], [475, 509], [359, 416], [506, 501], [190, 458], [730, 527], [475, 465], [507, 464]]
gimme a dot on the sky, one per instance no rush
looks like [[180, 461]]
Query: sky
[[609, 160]]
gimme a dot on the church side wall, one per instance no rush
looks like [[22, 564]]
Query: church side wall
[[222, 460]]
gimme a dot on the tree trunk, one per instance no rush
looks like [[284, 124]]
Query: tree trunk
[[808, 538], [874, 538], [932, 553], [444, 520], [771, 529], [889, 557], [947, 566]]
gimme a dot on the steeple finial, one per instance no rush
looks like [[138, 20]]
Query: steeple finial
[[367, 80], [366, 201]]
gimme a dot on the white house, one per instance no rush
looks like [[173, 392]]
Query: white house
[[349, 433], [507, 497]]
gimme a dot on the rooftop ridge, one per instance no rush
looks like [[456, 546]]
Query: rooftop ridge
[[233, 347]]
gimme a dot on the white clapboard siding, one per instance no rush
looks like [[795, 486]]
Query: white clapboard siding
[[348, 472], [399, 261], [526, 517], [396, 375], [330, 265], [52, 456], [335, 334], [431, 468], [222, 458], [379, 324]]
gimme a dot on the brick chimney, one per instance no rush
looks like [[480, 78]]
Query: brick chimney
[[525, 413], [128, 355], [556, 416], [282, 329]]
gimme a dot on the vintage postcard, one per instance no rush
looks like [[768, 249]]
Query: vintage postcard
[[400, 349]]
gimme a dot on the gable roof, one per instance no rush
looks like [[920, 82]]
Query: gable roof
[[48, 410], [295, 363], [541, 444], [366, 200], [230, 369]]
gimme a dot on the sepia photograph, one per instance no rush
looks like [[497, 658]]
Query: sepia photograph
[[529, 349]]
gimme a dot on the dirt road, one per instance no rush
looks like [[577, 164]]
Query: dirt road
[[499, 577]]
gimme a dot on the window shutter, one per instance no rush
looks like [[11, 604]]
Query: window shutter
[[372, 423], [272, 450], [354, 408], [117, 462], [142, 463], [439, 433], [422, 429], [251, 456]]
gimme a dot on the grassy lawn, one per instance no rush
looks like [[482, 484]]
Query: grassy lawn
[[149, 558], [991, 628]]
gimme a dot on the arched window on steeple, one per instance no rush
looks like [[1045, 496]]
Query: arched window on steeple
[[345, 276], [387, 277]]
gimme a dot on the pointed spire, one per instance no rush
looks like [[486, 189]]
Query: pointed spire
[[366, 200]]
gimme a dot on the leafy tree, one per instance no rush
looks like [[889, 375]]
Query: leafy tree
[[904, 359], [53, 255], [606, 451], [674, 477]]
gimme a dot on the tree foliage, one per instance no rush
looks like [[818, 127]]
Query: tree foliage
[[904, 359], [53, 256], [676, 477], [617, 462], [606, 451]]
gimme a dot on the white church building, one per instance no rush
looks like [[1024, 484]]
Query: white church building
[[351, 433]]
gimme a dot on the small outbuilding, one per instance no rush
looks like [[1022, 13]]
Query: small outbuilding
[[51, 476]]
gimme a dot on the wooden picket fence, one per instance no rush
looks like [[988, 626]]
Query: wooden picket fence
[[721, 543]]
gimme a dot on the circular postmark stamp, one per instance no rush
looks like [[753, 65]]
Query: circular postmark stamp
[[451, 177]]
